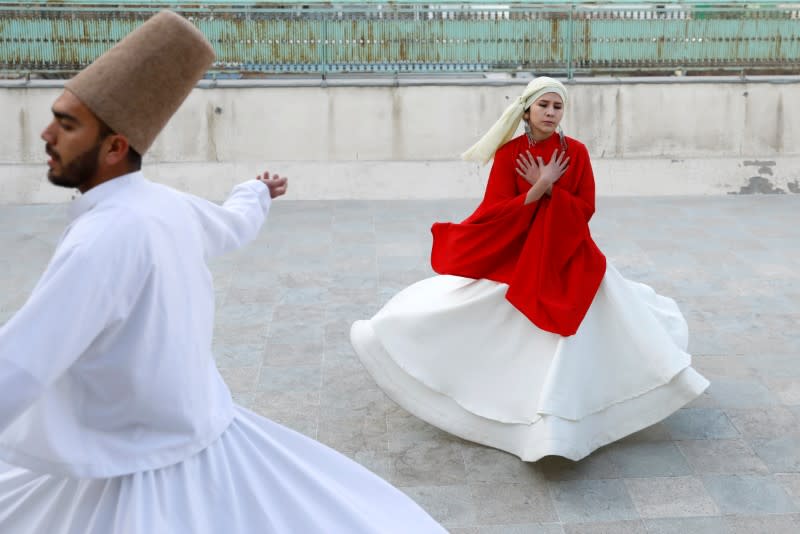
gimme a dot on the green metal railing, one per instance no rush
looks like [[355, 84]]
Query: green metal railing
[[563, 38]]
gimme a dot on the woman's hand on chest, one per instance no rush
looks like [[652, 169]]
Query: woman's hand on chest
[[533, 168]]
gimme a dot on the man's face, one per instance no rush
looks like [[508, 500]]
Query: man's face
[[73, 143]]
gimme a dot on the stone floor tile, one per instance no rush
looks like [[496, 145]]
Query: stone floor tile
[[347, 298], [785, 388], [452, 506], [700, 423], [238, 354], [244, 398], [768, 422], [241, 333], [649, 459], [606, 527], [742, 394], [781, 524], [350, 434], [748, 495], [721, 457], [670, 497], [512, 503], [782, 455], [345, 402], [775, 365], [585, 501], [405, 429], [337, 333], [379, 462], [705, 400], [262, 294], [401, 263], [598, 465], [283, 332], [285, 379], [522, 528], [300, 408], [687, 525], [293, 354], [303, 420], [240, 379], [656, 432], [791, 483], [306, 296], [427, 463], [778, 331], [297, 278], [252, 315], [486, 465]]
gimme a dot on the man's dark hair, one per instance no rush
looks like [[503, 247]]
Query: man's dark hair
[[134, 158]]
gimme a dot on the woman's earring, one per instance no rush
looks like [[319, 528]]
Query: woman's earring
[[527, 127]]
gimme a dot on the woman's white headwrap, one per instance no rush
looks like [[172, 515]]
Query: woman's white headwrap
[[503, 130]]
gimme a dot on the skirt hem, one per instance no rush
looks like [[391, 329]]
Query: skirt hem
[[548, 435]]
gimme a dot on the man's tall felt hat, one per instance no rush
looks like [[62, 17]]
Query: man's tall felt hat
[[139, 83]]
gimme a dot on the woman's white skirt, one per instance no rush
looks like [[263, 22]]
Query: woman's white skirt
[[455, 353], [258, 477]]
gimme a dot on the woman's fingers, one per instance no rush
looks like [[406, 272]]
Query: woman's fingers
[[529, 156]]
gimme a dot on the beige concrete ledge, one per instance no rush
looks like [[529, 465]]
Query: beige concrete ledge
[[646, 137], [435, 179]]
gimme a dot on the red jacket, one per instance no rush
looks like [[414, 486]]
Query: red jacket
[[543, 250]]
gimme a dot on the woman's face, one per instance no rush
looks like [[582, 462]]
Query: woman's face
[[544, 115]]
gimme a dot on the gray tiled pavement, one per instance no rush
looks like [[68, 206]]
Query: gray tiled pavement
[[727, 463]]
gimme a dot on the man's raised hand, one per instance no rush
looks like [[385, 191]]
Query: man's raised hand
[[277, 184]]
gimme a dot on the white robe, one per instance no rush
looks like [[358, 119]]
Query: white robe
[[455, 353], [112, 411]]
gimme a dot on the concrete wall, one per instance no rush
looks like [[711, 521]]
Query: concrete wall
[[646, 137]]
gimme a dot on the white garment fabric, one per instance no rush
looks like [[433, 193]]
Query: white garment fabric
[[107, 368], [454, 352], [258, 477], [112, 412]]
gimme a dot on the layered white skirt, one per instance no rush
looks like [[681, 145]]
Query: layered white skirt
[[455, 353], [258, 477]]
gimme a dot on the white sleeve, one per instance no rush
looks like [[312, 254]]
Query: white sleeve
[[237, 221], [86, 288]]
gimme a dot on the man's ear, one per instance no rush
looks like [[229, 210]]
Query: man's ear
[[118, 148]]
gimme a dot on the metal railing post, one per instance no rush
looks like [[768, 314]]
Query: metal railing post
[[570, 39]]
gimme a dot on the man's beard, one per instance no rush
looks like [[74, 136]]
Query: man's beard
[[78, 171]]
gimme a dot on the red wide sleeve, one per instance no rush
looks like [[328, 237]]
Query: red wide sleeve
[[488, 242]]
